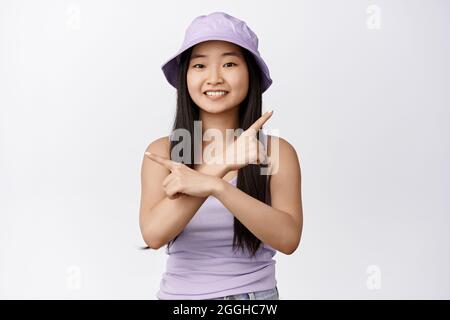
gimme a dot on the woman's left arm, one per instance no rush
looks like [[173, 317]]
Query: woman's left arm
[[281, 224]]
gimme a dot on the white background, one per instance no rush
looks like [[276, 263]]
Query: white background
[[361, 90]]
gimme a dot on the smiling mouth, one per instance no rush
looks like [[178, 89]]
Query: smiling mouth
[[215, 93]]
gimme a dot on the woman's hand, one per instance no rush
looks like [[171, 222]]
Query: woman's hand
[[247, 149], [184, 180]]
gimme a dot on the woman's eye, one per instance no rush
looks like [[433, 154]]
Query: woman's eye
[[201, 65]]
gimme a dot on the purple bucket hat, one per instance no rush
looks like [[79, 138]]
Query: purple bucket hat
[[218, 26]]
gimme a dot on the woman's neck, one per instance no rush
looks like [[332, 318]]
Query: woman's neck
[[220, 122]]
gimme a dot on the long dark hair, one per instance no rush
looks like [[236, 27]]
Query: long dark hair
[[249, 179]]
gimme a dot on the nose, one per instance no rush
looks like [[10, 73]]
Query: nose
[[214, 76]]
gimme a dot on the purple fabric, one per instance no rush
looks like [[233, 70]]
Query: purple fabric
[[201, 263], [218, 26]]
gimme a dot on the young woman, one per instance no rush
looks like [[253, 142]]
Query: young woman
[[222, 220]]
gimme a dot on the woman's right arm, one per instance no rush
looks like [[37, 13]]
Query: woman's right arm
[[161, 219]]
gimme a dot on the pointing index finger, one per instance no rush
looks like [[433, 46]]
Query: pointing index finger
[[161, 160], [259, 123]]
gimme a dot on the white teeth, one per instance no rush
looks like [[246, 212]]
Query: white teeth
[[217, 93]]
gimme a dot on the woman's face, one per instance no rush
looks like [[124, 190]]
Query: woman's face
[[217, 65]]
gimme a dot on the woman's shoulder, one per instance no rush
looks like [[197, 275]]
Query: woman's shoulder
[[283, 156], [160, 146], [282, 144]]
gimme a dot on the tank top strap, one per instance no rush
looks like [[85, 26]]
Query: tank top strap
[[263, 138]]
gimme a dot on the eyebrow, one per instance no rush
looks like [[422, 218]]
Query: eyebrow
[[231, 53]]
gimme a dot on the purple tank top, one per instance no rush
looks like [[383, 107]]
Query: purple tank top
[[201, 263]]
